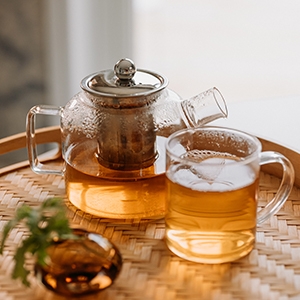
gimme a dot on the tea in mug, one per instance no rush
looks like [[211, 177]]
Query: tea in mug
[[211, 217]]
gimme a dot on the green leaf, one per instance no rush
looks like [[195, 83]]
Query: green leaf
[[44, 223], [22, 213], [19, 270], [8, 226]]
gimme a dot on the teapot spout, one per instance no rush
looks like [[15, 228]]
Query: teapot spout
[[199, 110], [203, 108]]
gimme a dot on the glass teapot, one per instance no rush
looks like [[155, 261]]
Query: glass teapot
[[113, 134]]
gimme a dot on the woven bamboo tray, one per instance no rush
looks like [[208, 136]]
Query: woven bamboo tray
[[150, 271]]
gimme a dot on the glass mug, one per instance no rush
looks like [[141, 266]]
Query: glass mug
[[212, 190]]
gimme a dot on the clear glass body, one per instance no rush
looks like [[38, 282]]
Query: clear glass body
[[115, 157]]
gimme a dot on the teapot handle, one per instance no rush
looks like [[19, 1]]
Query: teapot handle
[[35, 164]]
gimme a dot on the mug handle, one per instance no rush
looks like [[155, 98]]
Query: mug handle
[[285, 187], [35, 164]]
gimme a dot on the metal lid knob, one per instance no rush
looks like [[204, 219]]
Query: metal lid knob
[[125, 69]]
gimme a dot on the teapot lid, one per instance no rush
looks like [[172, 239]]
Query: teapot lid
[[124, 81]]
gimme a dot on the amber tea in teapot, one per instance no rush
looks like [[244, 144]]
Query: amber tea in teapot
[[113, 194], [113, 136]]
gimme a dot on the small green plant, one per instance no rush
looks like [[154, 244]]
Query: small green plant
[[45, 224]]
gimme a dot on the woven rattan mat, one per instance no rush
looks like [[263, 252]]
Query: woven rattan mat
[[150, 271]]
